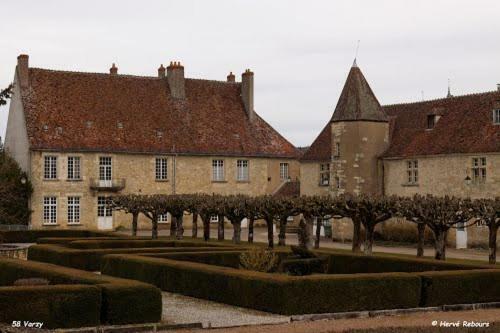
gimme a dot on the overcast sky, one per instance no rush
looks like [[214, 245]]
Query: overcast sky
[[300, 51]]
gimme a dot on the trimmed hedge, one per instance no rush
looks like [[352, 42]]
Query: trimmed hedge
[[224, 258], [460, 287], [270, 292], [350, 263], [303, 266], [123, 301], [136, 243], [59, 306], [31, 236], [90, 259], [66, 240]]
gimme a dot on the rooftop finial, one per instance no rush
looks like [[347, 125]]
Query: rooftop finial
[[449, 92], [354, 64]]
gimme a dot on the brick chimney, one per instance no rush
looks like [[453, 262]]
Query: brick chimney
[[231, 77], [247, 92], [498, 86], [175, 77], [113, 70], [161, 72], [22, 70]]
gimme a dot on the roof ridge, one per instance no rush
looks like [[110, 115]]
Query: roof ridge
[[443, 98]]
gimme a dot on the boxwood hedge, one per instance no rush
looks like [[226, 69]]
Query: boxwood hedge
[[275, 293], [31, 236], [123, 301]]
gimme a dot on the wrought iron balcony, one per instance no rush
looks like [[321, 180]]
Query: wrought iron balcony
[[112, 185]]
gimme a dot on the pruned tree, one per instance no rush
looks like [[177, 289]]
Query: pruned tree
[[177, 204], [130, 204], [235, 209], [284, 208], [313, 207], [488, 213], [440, 214], [253, 213], [266, 206], [349, 209], [405, 209]]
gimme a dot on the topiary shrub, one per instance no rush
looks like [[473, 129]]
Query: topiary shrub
[[260, 260], [31, 282]]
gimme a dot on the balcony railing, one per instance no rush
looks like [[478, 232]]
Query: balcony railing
[[112, 185]]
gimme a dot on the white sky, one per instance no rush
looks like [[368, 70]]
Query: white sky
[[300, 51]]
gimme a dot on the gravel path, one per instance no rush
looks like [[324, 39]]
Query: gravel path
[[404, 321], [181, 309]]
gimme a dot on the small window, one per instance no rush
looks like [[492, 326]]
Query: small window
[[74, 168], [163, 218], [324, 174], [50, 167], [218, 170], [479, 169], [431, 121], [103, 209], [214, 218], [496, 117], [412, 172], [284, 171], [242, 170], [338, 183], [49, 210], [336, 150], [161, 168], [73, 210]]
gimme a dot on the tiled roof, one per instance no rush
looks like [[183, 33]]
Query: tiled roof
[[289, 189], [465, 126], [357, 101], [121, 113], [320, 150]]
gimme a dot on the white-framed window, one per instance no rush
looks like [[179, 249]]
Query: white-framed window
[[73, 210], [218, 170], [103, 209], [479, 169], [49, 210], [284, 171], [496, 116], [163, 218], [74, 168], [214, 218], [50, 167], [324, 174], [105, 168], [161, 168], [242, 173], [338, 183], [336, 150], [412, 172]]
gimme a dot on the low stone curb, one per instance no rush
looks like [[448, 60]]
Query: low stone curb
[[394, 312], [131, 328]]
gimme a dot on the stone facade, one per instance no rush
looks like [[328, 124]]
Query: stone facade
[[186, 174]]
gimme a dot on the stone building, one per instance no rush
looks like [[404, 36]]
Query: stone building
[[448, 146], [82, 137]]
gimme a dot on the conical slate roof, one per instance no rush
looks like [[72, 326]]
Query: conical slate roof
[[357, 101]]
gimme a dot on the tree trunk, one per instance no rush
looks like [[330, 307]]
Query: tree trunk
[[194, 230], [440, 244], [370, 232], [180, 227], [270, 233], [154, 229], [493, 243], [356, 235], [135, 218], [282, 234], [173, 226], [220, 228], [308, 232], [236, 231], [319, 223], [206, 228], [421, 239], [250, 230]]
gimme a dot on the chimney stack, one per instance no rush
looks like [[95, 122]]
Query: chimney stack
[[113, 70], [247, 92], [231, 77], [175, 77], [22, 70], [498, 86], [161, 72]]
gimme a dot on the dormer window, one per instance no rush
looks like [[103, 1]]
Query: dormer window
[[431, 121], [496, 117]]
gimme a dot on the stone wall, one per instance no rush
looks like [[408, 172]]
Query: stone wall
[[193, 174], [310, 179]]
